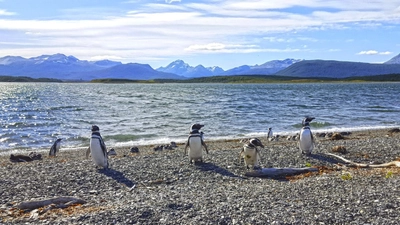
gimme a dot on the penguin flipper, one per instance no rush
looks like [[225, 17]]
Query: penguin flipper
[[186, 146], [204, 144], [312, 137]]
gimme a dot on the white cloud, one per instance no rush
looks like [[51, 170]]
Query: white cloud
[[290, 40], [207, 47], [172, 1], [158, 30], [374, 52], [275, 39], [233, 48], [6, 13], [101, 57], [369, 52]]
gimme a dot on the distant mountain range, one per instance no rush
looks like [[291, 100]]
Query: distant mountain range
[[394, 60], [181, 68], [60, 66], [337, 69]]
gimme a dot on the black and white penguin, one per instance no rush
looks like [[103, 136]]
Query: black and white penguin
[[135, 149], [55, 147], [111, 152], [306, 140], [270, 134], [195, 143], [97, 148], [250, 153]]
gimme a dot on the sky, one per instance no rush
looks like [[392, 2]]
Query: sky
[[225, 33]]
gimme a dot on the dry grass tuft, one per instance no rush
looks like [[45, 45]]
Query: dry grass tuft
[[337, 136], [340, 149]]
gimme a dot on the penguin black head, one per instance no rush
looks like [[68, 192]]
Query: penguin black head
[[95, 128], [307, 120], [196, 126], [270, 128], [59, 139], [256, 142]]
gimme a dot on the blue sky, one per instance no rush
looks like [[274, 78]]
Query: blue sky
[[226, 33]]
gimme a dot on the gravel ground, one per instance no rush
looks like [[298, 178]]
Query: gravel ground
[[169, 190]]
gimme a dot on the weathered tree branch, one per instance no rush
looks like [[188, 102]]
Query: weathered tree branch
[[279, 172], [60, 202], [363, 165]]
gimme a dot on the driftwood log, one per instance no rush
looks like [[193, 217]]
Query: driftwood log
[[60, 202], [279, 172], [363, 165]]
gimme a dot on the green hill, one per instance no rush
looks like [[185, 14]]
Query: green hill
[[337, 69], [26, 79]]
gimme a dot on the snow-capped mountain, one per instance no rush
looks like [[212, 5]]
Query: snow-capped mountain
[[7, 60], [279, 64], [181, 68], [106, 63], [270, 67], [60, 66], [56, 58], [394, 60]]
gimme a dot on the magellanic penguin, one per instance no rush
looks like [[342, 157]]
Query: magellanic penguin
[[97, 148], [55, 147], [270, 134], [306, 141], [250, 153], [195, 143]]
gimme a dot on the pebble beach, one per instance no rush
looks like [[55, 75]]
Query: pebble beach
[[162, 187]]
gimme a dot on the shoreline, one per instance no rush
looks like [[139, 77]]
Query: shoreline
[[154, 143], [163, 188]]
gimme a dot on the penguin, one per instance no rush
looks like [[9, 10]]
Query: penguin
[[195, 143], [306, 140], [112, 152], [97, 148], [35, 156], [135, 149], [20, 158], [55, 147], [270, 134], [250, 153]]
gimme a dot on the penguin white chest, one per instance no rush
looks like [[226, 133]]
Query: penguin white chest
[[195, 148], [306, 141], [58, 145], [98, 156], [250, 156]]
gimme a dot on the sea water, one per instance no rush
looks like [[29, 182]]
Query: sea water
[[34, 115]]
